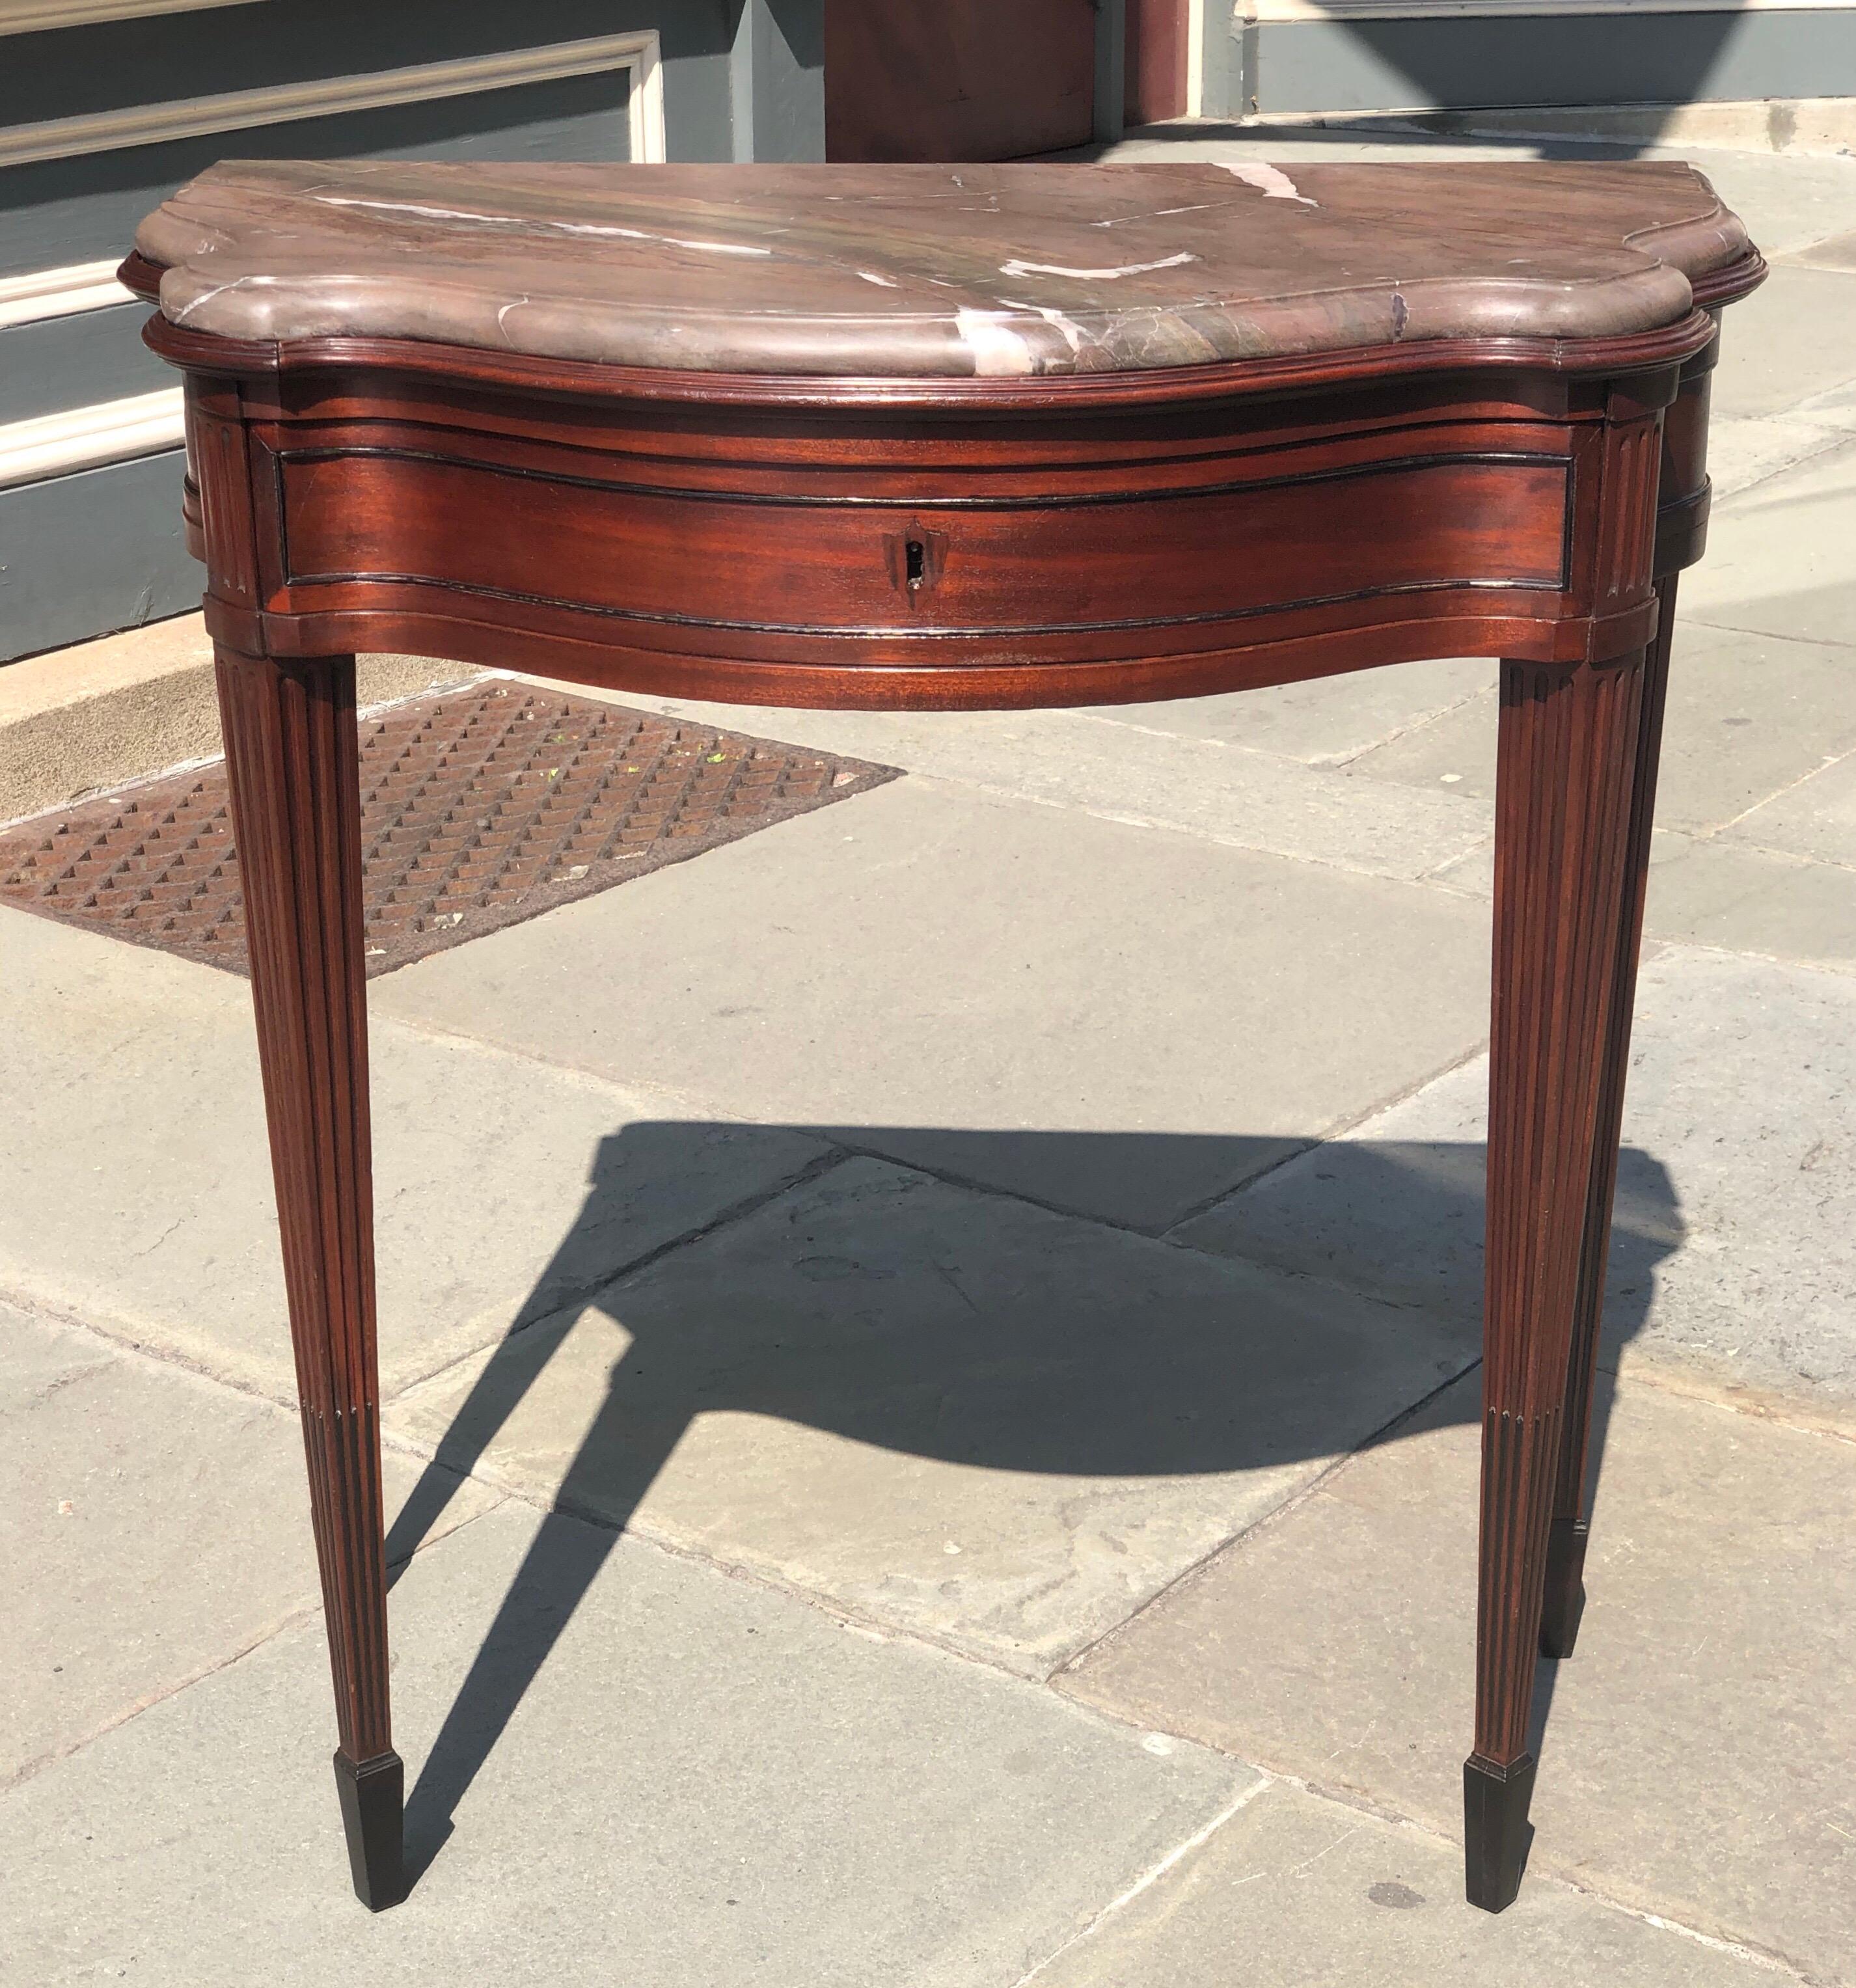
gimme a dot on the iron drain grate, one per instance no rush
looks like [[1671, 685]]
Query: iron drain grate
[[480, 807]]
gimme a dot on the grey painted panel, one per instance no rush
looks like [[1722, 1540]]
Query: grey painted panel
[[1220, 53], [69, 362], [101, 550], [1546, 59], [698, 117], [60, 211], [73, 71], [1111, 70], [84, 554], [777, 80], [66, 210]]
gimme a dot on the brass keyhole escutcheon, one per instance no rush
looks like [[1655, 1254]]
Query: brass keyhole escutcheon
[[915, 555]]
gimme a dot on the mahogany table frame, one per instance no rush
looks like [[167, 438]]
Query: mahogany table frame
[[959, 545]]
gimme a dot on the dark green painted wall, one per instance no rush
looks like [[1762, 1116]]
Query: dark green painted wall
[[99, 550]]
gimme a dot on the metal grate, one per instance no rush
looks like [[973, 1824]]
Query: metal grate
[[480, 806]]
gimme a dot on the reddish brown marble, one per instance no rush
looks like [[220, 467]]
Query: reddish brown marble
[[937, 271]]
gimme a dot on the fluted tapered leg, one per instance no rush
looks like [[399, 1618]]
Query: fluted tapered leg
[[1564, 785], [1563, 1603], [291, 757]]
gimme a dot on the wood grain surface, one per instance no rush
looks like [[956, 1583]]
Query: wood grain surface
[[960, 80], [921, 540]]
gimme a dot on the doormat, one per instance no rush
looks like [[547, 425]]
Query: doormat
[[480, 806]]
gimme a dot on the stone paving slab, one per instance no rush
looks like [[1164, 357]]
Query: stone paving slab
[[1213, 783], [1787, 199], [1324, 722], [135, 1187], [1749, 714], [1698, 1748], [923, 959], [706, 1782], [996, 1427], [1836, 252], [1778, 559], [1454, 752], [1834, 405], [1732, 1258], [1722, 893], [153, 1524], [1815, 817], [1744, 452], [1303, 1893], [1795, 336]]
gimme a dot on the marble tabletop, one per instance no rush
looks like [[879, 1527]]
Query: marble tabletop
[[927, 270]]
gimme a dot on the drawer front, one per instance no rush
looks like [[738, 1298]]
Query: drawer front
[[877, 567]]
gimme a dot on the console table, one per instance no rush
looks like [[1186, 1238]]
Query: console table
[[955, 438]]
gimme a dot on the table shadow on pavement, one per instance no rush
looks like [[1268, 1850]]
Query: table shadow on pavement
[[1068, 1398]]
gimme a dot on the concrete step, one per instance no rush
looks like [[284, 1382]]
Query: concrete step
[[1820, 126]]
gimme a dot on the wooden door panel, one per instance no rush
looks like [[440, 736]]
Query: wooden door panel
[[1157, 31], [958, 78]]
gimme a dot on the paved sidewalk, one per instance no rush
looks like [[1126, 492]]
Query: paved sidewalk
[[931, 1357]]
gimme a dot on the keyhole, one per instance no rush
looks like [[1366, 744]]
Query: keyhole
[[916, 554]]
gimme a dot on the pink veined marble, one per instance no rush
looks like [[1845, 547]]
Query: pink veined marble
[[926, 270]]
